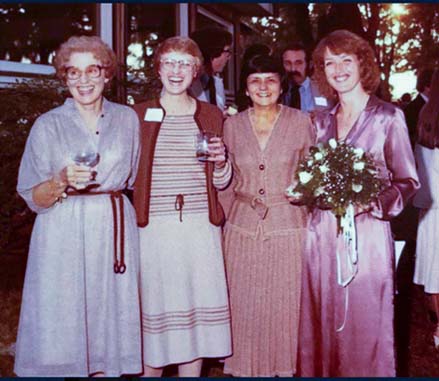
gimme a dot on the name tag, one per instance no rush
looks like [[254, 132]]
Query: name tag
[[321, 101], [153, 115]]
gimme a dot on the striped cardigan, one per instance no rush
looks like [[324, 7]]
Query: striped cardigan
[[208, 119]]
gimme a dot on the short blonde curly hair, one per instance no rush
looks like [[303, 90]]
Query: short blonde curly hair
[[181, 45], [85, 44], [343, 41]]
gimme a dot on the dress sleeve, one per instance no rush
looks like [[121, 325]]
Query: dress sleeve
[[222, 176], [36, 165], [226, 196], [401, 164], [133, 119]]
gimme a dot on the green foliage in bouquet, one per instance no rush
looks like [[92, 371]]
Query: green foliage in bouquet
[[334, 175]]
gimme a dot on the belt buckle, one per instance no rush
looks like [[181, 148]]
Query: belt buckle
[[259, 207]]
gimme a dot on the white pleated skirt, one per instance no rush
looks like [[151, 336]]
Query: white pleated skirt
[[427, 251], [185, 308]]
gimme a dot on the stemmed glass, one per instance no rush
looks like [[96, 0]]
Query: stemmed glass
[[89, 158]]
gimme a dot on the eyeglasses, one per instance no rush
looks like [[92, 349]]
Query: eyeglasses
[[228, 51], [91, 71], [170, 64]]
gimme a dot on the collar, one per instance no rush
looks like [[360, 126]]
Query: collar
[[70, 104], [204, 79], [424, 97], [306, 83], [157, 104], [371, 103]]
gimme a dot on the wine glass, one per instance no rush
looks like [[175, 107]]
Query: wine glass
[[202, 140], [88, 158]]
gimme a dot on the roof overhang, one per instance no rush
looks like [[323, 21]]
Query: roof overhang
[[254, 9]]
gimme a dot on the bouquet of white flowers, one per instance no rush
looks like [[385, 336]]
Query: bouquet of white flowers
[[338, 177], [335, 175]]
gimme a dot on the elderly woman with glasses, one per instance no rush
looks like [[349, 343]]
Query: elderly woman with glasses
[[80, 311], [185, 310]]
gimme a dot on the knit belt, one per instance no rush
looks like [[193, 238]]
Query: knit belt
[[262, 204], [119, 264]]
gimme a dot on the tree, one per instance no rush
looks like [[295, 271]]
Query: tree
[[418, 37]]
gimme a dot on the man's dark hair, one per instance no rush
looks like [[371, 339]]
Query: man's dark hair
[[424, 79], [296, 45], [211, 41]]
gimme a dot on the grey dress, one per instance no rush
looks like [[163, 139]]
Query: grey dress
[[77, 316]]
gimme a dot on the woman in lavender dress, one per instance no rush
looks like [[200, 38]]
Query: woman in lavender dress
[[348, 331], [80, 311]]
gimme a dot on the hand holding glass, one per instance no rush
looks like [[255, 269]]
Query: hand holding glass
[[87, 159], [202, 146], [210, 147]]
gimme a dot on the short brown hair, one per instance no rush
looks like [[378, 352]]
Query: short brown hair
[[343, 41], [181, 45], [85, 44]]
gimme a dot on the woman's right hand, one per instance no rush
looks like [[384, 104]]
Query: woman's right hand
[[76, 175]]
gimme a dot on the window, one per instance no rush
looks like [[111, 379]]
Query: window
[[31, 33], [148, 25]]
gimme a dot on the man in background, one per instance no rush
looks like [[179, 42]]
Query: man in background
[[216, 46], [413, 109], [300, 92]]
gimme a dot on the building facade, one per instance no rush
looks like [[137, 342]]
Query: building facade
[[32, 32]]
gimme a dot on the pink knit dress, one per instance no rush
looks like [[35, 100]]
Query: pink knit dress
[[264, 237]]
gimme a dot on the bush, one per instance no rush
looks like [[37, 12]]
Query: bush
[[21, 104]]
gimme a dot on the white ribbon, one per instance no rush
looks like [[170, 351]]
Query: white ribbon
[[350, 255]]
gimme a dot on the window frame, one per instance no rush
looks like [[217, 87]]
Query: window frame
[[9, 70]]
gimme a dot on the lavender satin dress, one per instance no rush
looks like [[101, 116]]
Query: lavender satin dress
[[365, 345]]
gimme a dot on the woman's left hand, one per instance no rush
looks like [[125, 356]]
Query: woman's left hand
[[217, 151], [365, 208]]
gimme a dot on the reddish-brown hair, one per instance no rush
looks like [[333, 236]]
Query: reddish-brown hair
[[428, 123], [181, 45], [85, 44], [343, 41]]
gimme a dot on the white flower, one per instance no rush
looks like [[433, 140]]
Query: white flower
[[319, 191], [323, 168], [359, 152], [310, 162], [318, 156], [359, 165], [332, 143], [231, 110], [305, 177], [357, 188], [291, 193]]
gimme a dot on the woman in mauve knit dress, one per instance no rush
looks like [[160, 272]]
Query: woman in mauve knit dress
[[264, 232]]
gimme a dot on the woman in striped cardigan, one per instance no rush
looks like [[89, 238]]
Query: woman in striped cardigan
[[185, 311]]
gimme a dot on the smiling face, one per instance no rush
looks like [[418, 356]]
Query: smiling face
[[342, 71], [263, 88], [86, 91], [177, 71]]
